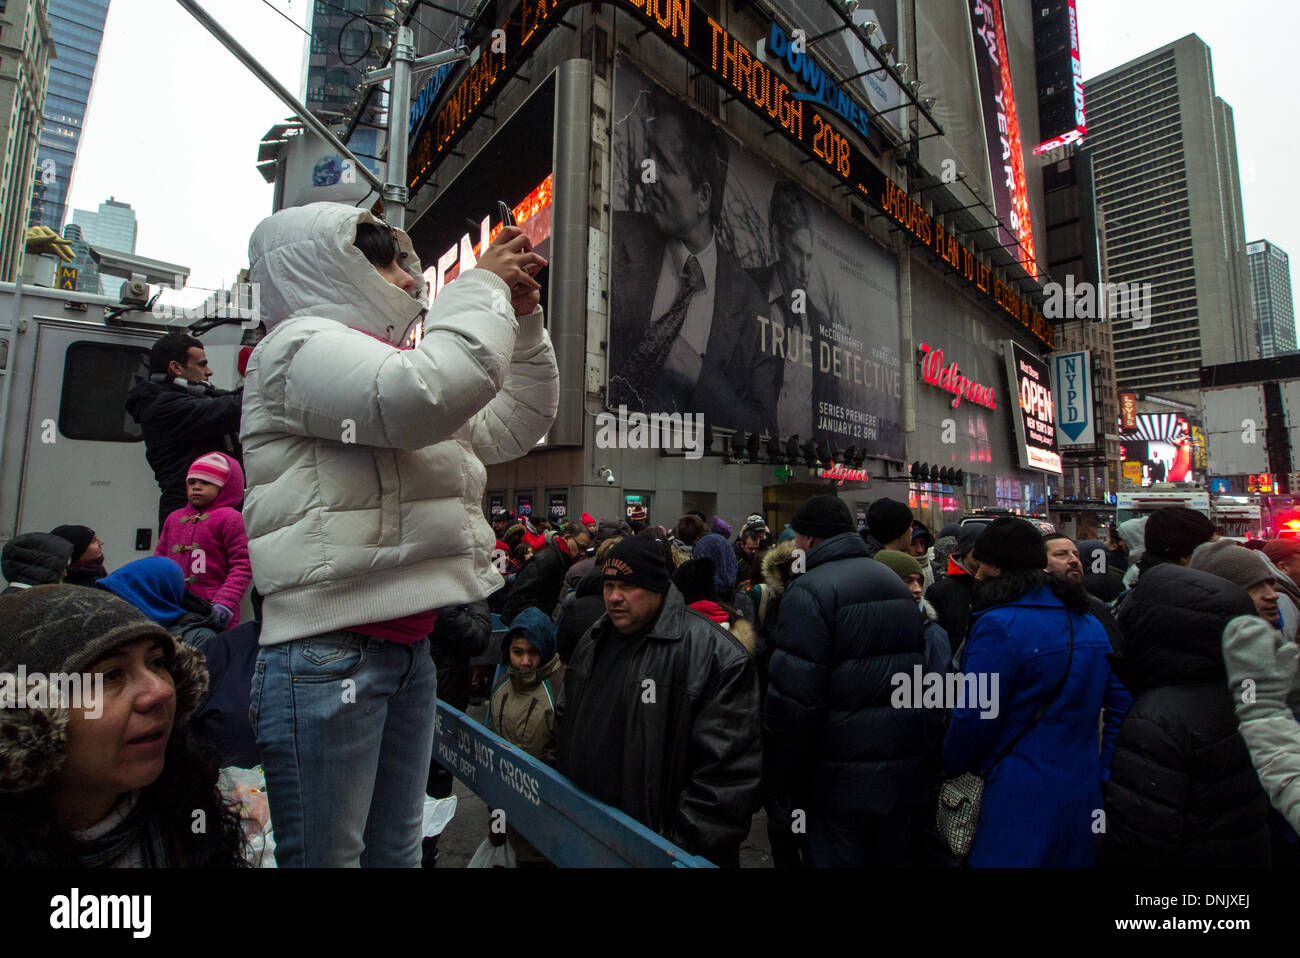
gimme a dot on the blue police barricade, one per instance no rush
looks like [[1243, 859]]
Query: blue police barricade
[[566, 825]]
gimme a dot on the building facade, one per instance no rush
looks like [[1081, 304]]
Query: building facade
[[25, 51], [78, 28], [342, 45], [856, 299], [1165, 158], [1270, 286], [111, 226]]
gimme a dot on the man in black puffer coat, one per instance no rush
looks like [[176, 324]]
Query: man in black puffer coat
[[181, 416], [580, 612], [460, 633], [538, 584], [835, 747], [1182, 791]]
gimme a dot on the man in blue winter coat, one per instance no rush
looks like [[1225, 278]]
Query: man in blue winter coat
[[840, 759]]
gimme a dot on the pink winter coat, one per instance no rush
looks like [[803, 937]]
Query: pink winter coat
[[223, 574]]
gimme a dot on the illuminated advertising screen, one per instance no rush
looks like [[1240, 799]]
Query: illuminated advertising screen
[[776, 315], [1061, 118], [1002, 128], [812, 113], [1161, 446], [1034, 414], [451, 235]]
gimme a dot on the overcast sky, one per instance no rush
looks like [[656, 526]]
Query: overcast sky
[[174, 120]]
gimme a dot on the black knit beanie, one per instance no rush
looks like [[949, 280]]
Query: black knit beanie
[[637, 561], [80, 536], [888, 519], [824, 516], [1174, 532], [1010, 543], [694, 580]]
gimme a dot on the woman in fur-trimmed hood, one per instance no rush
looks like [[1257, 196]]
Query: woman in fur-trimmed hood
[[102, 772]]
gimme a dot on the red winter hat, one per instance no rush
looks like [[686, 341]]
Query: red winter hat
[[242, 362], [587, 520], [211, 468], [1279, 549]]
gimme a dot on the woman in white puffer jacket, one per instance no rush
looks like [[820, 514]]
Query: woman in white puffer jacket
[[365, 467]]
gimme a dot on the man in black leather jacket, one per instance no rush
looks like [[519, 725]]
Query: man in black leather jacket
[[661, 716], [181, 416]]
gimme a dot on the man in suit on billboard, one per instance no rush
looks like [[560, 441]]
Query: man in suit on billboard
[[793, 335], [684, 331]]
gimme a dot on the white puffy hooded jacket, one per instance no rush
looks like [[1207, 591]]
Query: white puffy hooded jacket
[[365, 463]]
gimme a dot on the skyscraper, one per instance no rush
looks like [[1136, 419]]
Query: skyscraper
[[25, 51], [342, 45], [112, 226], [77, 27], [1165, 159], [1270, 284]]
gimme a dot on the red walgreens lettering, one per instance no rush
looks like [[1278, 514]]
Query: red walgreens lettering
[[951, 380]]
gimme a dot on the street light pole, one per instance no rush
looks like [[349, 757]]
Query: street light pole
[[402, 66]]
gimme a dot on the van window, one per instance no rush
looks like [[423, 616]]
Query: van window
[[96, 379]]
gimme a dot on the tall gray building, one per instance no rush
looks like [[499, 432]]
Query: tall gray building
[[25, 51], [1270, 284], [112, 226], [77, 27], [346, 37], [1165, 158]]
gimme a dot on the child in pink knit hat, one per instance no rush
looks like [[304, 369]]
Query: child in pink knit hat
[[206, 537]]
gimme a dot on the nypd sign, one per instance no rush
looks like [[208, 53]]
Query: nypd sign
[[1075, 413]]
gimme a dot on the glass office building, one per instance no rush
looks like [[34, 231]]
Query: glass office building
[[77, 27]]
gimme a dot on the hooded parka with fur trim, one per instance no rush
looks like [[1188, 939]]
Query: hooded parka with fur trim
[[365, 462]]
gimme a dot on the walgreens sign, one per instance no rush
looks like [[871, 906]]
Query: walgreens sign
[[950, 379]]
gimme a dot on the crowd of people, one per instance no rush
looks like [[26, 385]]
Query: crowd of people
[[1123, 703]]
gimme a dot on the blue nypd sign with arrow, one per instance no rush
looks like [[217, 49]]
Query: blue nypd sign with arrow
[[1075, 412]]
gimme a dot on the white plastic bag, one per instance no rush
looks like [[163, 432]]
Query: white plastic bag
[[438, 813], [493, 856], [247, 788]]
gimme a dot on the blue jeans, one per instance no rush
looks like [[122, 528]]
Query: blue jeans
[[345, 725]]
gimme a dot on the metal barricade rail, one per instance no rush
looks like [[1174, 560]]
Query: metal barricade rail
[[566, 825]]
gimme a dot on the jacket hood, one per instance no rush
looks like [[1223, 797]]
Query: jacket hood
[[1173, 623], [1133, 532], [36, 558], [846, 545], [1088, 549], [154, 585], [775, 565], [232, 493], [539, 630], [715, 547], [304, 263]]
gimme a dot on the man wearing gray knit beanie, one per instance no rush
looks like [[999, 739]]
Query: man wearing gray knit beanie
[[1226, 559]]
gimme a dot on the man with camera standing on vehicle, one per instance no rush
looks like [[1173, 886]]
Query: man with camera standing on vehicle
[[182, 416]]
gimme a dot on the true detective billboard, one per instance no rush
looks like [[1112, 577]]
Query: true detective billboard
[[736, 295]]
